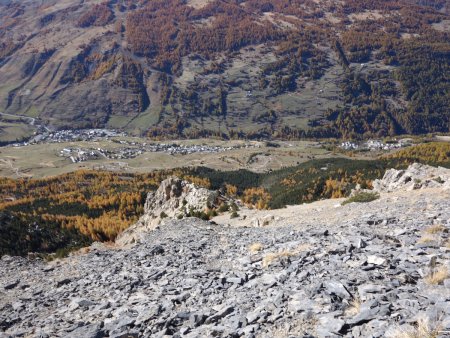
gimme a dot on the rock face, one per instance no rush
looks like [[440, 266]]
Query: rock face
[[174, 198], [417, 176], [362, 270]]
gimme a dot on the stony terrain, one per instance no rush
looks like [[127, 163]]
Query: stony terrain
[[410, 186], [377, 269]]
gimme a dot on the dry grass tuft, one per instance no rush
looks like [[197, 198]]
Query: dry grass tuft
[[84, 250], [427, 239], [432, 234], [437, 276], [354, 307], [423, 329], [273, 256], [255, 247], [435, 229]]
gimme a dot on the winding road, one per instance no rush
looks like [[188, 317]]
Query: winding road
[[31, 120]]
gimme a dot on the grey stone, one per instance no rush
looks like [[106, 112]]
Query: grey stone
[[268, 280], [360, 244], [372, 259], [88, 331], [11, 285], [63, 281], [17, 306], [197, 319], [235, 280], [329, 326], [226, 310], [364, 316], [250, 329], [337, 288], [83, 302], [253, 316], [366, 289]]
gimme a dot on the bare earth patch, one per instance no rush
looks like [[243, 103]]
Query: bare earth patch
[[366, 15], [198, 3], [443, 26]]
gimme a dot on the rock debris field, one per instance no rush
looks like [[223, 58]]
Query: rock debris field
[[377, 269]]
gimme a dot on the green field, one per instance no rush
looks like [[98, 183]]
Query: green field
[[14, 129]]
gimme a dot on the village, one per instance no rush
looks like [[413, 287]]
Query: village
[[375, 145], [61, 136], [130, 148], [134, 149]]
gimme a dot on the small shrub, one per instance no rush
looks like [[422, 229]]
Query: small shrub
[[163, 215], [439, 180], [224, 207], [362, 197], [234, 215], [211, 213], [206, 216], [272, 145], [234, 207]]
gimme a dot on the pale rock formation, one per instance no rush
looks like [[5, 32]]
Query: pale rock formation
[[175, 198], [417, 176]]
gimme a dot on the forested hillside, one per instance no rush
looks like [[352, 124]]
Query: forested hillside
[[70, 210], [185, 68]]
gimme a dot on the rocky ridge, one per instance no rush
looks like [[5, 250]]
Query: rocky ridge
[[416, 176], [175, 198], [376, 269]]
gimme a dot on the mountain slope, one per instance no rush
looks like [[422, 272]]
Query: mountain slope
[[376, 269], [237, 68]]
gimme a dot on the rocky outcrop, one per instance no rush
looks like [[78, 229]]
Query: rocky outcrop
[[361, 270], [174, 198], [417, 176]]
